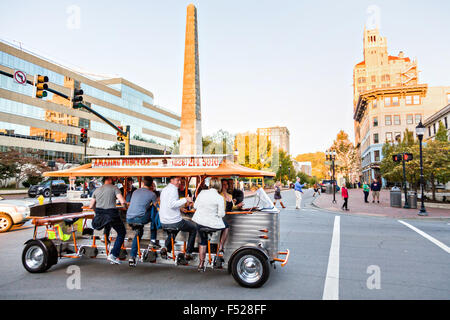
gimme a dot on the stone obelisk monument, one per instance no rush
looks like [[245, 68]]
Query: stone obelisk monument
[[191, 128]]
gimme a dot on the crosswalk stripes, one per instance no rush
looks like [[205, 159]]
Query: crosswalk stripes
[[331, 288], [427, 236]]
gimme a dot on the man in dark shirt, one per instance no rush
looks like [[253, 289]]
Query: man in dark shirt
[[130, 189], [236, 194], [375, 187]]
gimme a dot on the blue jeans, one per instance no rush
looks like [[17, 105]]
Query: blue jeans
[[146, 218], [118, 226]]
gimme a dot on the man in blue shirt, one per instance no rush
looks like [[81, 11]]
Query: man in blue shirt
[[139, 212], [298, 193]]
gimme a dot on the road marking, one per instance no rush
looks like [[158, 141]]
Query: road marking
[[427, 236], [331, 289]]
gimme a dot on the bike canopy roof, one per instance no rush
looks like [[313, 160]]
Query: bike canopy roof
[[161, 166]]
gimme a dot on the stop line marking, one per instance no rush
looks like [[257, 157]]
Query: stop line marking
[[331, 289], [427, 236]]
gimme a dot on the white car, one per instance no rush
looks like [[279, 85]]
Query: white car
[[14, 212]]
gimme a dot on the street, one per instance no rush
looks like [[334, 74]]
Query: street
[[333, 256]]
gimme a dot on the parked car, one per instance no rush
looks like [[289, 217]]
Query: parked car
[[14, 212], [58, 187], [323, 185]]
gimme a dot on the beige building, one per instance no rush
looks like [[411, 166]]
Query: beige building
[[52, 126], [432, 122], [387, 100], [278, 136]]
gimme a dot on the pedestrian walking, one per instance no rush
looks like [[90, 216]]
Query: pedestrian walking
[[366, 190], [316, 189], [375, 187], [344, 193], [298, 193], [277, 195]]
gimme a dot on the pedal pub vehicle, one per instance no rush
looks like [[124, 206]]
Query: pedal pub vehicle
[[251, 250]]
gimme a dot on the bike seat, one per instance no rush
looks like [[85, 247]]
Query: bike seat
[[207, 230], [70, 221]]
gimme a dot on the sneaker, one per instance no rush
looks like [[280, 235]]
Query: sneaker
[[154, 244], [163, 253], [113, 260], [132, 262]]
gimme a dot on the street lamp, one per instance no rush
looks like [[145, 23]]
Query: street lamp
[[420, 131], [331, 156]]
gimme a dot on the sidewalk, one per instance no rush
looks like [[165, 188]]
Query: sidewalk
[[357, 206]]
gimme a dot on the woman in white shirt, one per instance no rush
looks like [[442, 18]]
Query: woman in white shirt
[[209, 212]]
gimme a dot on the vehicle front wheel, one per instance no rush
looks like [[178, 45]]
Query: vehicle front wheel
[[6, 222], [250, 268], [38, 257], [47, 193]]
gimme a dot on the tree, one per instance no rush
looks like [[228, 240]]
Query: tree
[[346, 156], [436, 162], [441, 134], [25, 165], [317, 159], [286, 170]]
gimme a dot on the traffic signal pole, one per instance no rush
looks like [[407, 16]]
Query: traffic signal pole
[[126, 133], [406, 206]]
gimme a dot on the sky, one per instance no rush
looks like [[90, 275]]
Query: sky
[[262, 63]]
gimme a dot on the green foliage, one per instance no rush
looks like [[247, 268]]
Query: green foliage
[[441, 134], [286, 171], [436, 161]]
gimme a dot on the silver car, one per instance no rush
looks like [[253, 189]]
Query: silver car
[[14, 212]]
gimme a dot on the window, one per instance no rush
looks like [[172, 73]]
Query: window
[[377, 155], [434, 128], [397, 120], [374, 78], [387, 101], [387, 120], [388, 136], [429, 131], [418, 118], [375, 121], [409, 119], [375, 138], [395, 101], [412, 99], [445, 123]]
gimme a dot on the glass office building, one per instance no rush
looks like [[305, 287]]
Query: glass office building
[[51, 126]]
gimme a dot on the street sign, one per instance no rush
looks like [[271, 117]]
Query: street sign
[[20, 77]]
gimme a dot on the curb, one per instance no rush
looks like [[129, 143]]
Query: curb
[[438, 218]]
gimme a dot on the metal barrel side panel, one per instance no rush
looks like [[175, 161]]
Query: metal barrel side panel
[[247, 229]]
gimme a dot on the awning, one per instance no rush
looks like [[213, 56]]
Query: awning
[[225, 169]]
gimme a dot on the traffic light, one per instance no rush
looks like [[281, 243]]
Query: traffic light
[[120, 136], [77, 98], [83, 135], [397, 157], [41, 85], [407, 156]]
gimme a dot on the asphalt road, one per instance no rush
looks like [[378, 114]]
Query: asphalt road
[[333, 256]]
